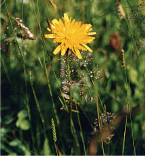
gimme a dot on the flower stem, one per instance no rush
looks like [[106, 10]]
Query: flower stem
[[70, 103], [70, 90]]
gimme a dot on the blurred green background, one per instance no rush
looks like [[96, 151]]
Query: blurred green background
[[31, 81]]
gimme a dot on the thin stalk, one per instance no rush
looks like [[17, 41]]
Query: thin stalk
[[93, 83], [75, 138], [70, 92], [27, 99], [70, 103], [45, 68], [132, 133], [56, 148], [97, 105], [48, 83], [10, 138], [124, 137], [23, 61], [50, 90], [66, 107], [100, 126], [125, 131], [43, 42], [81, 132], [38, 106]]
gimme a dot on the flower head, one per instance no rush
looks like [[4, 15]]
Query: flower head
[[70, 34]]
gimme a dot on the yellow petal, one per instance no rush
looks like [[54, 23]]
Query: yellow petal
[[87, 47], [55, 21], [57, 49], [78, 53], [70, 34], [65, 17], [49, 35], [52, 27], [88, 26], [92, 33], [48, 29], [81, 47], [89, 39], [63, 51]]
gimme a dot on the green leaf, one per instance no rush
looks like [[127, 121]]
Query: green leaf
[[22, 114], [133, 75], [46, 147], [24, 124], [3, 131], [27, 152], [14, 143], [18, 123]]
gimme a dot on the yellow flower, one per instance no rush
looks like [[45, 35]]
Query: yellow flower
[[70, 34]]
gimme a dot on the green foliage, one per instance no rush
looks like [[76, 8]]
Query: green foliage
[[32, 92], [22, 122], [46, 148]]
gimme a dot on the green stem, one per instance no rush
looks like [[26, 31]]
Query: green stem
[[100, 125], [124, 134], [23, 61], [70, 91], [70, 103], [38, 106], [49, 86], [124, 137], [132, 131], [81, 132]]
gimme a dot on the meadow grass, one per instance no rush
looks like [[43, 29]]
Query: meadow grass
[[63, 105]]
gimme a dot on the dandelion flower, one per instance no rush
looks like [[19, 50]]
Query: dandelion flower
[[71, 35]]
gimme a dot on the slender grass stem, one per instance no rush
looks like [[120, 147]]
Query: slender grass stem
[[45, 69], [50, 90], [97, 104], [66, 107], [81, 132], [38, 106], [70, 91], [99, 122], [70, 103], [23, 61], [93, 83], [124, 137], [10, 138], [75, 138], [132, 133]]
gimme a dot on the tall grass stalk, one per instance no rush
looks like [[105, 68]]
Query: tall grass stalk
[[38, 105], [132, 133], [45, 69], [23, 61], [70, 103], [124, 137], [97, 106]]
